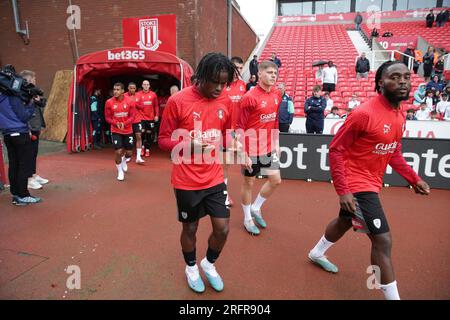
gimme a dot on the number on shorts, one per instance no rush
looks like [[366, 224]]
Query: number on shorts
[[131, 140]]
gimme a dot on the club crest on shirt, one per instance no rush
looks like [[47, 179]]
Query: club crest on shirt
[[276, 101], [387, 128], [220, 114], [242, 88]]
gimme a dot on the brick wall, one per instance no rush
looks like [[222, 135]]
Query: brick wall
[[201, 27]]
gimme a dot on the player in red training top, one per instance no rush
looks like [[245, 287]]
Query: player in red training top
[[259, 121], [137, 125], [120, 113], [149, 109], [368, 141], [235, 91], [199, 114]]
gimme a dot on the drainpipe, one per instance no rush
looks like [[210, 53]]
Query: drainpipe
[[21, 32]]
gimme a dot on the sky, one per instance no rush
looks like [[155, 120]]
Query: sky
[[259, 14]]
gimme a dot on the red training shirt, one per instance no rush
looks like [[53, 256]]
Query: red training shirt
[[187, 110], [134, 98], [259, 111], [235, 92], [120, 111], [367, 142], [148, 105]]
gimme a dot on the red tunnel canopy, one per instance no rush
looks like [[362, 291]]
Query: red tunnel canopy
[[129, 60]]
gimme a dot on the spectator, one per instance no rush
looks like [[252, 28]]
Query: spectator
[[436, 84], [420, 94], [430, 19], [96, 120], [443, 104], [275, 59], [440, 19], [434, 116], [429, 100], [387, 34], [330, 102], [436, 98], [14, 117], [319, 73], [409, 52], [418, 59], [423, 113], [447, 114], [373, 36], [358, 20], [253, 67], [410, 114], [397, 53], [447, 89], [334, 114], [36, 124], [354, 102], [286, 110], [428, 62], [439, 68], [362, 66], [329, 77], [446, 17], [252, 82], [314, 110]]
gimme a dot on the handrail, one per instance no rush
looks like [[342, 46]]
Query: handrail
[[391, 57]]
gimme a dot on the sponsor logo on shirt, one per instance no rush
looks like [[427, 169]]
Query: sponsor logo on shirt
[[268, 117], [236, 98], [121, 114], [208, 135], [148, 103], [385, 148]]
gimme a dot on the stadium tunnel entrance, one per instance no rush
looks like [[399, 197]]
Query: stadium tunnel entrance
[[104, 68]]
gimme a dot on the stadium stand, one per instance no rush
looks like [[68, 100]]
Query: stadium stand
[[299, 46]]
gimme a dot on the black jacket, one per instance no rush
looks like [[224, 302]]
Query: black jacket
[[37, 121], [315, 107], [253, 67], [362, 65]]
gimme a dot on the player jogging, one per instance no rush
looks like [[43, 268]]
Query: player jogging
[[258, 125], [137, 125], [120, 113], [367, 142], [201, 113]]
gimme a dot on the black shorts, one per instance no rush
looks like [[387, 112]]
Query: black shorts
[[148, 125], [330, 87], [369, 216], [122, 141], [195, 204], [268, 162], [137, 127]]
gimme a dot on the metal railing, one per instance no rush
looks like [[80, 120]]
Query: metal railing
[[377, 57]]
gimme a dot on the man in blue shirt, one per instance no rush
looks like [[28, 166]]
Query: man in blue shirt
[[286, 110], [314, 109], [14, 116]]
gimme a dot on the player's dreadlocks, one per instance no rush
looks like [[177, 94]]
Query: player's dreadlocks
[[211, 65], [381, 71]]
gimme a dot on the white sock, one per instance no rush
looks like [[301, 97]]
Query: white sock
[[247, 212], [138, 153], [390, 291], [119, 167], [258, 202], [321, 247]]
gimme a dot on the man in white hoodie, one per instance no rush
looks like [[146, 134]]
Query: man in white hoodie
[[329, 77]]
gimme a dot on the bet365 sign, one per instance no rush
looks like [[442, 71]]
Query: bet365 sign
[[158, 33]]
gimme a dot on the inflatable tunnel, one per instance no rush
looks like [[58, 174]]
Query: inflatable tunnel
[[102, 69]]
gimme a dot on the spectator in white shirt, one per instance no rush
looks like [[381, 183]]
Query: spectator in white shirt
[[429, 100], [330, 102], [443, 104], [334, 114], [423, 113], [354, 102], [447, 114], [329, 77]]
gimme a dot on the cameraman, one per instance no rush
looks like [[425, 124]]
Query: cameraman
[[14, 115], [36, 123]]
